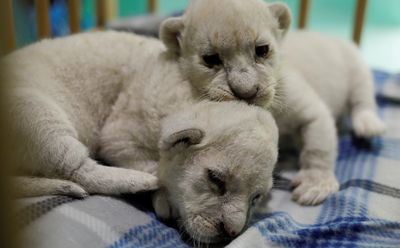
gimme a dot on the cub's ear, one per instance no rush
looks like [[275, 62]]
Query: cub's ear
[[281, 12], [170, 32], [181, 139]]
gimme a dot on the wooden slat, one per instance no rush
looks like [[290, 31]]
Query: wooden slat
[[74, 12], [42, 18], [101, 13], [152, 5], [111, 9], [303, 14], [359, 20], [7, 31]]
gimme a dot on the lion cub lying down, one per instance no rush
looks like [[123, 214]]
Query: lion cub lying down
[[118, 97]]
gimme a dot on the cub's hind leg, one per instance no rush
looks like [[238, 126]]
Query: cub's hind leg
[[52, 149], [365, 120]]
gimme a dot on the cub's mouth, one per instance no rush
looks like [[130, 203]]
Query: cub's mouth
[[197, 243], [261, 98], [201, 229], [197, 238]]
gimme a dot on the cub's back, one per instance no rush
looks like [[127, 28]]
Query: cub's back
[[325, 63], [82, 74]]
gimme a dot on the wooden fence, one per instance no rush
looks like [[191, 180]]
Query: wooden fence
[[104, 11]]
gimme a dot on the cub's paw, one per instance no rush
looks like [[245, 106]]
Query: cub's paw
[[71, 189], [312, 186], [367, 124], [140, 181]]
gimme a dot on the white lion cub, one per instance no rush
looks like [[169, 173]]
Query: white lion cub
[[235, 50], [119, 97]]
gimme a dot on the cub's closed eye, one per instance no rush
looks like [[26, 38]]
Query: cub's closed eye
[[217, 181], [212, 60], [262, 51]]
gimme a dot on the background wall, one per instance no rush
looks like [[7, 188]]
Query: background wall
[[380, 42]]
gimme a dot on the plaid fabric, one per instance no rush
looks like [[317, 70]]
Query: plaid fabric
[[364, 213]]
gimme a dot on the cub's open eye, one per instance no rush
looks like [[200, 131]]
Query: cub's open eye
[[262, 51], [215, 179], [255, 199], [212, 60]]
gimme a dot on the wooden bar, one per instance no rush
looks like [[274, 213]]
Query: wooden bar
[[7, 31], [43, 18], [111, 9], [74, 12], [303, 14], [101, 12], [359, 20], [152, 6]]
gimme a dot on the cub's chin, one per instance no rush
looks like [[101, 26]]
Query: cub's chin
[[204, 233]]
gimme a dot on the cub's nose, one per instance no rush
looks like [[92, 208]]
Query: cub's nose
[[226, 231], [247, 95]]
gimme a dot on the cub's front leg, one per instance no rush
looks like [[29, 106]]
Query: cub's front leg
[[315, 126], [316, 179]]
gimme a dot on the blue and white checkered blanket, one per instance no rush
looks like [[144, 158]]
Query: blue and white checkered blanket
[[364, 213]]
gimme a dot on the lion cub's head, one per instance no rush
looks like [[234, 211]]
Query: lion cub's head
[[229, 49], [216, 166]]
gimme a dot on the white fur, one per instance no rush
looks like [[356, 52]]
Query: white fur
[[232, 29], [120, 98], [312, 78], [325, 78], [62, 92]]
